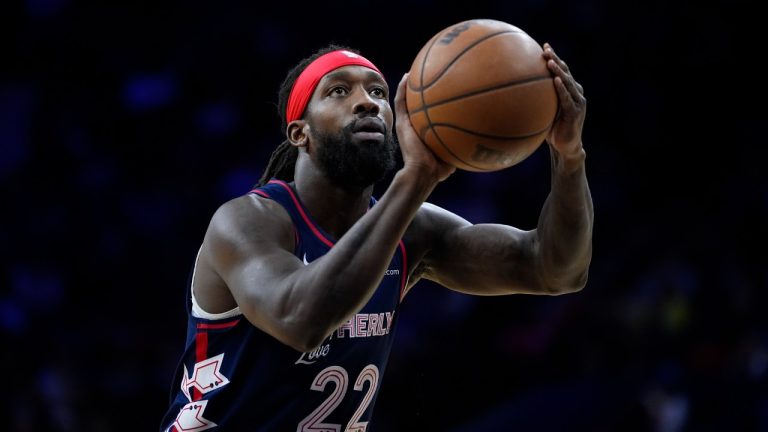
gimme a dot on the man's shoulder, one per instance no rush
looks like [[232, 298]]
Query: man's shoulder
[[243, 228], [422, 228], [432, 221], [421, 221], [432, 216], [250, 210]]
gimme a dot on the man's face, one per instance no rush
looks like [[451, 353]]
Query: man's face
[[351, 162], [351, 123]]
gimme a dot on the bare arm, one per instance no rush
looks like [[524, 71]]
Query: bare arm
[[250, 248], [554, 258]]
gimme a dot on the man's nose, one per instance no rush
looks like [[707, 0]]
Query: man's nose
[[365, 103]]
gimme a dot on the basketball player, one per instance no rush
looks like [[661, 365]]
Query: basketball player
[[296, 287]]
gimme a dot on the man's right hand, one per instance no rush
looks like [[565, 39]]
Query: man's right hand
[[416, 155]]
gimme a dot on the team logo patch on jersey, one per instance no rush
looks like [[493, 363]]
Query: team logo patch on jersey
[[206, 376], [190, 418]]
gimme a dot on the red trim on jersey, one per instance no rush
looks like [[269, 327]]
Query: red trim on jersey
[[304, 215], [218, 326], [404, 279], [201, 353]]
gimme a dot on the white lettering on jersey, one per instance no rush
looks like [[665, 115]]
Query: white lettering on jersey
[[190, 418], [359, 326], [314, 355], [206, 376], [366, 325]]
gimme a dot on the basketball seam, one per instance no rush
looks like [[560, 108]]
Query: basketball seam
[[421, 84], [496, 137], [426, 113], [424, 106], [458, 56]]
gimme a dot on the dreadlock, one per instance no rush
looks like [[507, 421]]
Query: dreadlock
[[283, 160]]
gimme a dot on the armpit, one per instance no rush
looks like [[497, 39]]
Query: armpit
[[417, 273]]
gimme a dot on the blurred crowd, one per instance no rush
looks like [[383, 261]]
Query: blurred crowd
[[124, 126]]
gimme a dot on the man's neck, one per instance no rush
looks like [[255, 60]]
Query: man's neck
[[333, 207]]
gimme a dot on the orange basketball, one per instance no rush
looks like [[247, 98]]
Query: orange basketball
[[480, 95]]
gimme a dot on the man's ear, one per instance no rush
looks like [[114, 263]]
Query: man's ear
[[297, 133]]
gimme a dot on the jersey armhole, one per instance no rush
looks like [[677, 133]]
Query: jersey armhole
[[198, 311]]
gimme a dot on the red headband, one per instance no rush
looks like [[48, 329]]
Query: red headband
[[306, 82]]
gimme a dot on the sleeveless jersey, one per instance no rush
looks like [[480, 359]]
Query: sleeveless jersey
[[233, 376]]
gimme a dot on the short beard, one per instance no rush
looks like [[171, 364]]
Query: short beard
[[352, 166]]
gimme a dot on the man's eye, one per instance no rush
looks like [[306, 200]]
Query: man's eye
[[379, 92], [340, 91]]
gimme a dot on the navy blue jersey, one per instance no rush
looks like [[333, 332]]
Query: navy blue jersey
[[233, 376]]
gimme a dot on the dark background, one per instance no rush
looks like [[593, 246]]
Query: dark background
[[123, 126]]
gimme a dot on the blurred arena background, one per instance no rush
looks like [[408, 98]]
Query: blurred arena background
[[123, 126]]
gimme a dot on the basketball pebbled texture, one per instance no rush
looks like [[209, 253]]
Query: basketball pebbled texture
[[480, 95]]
